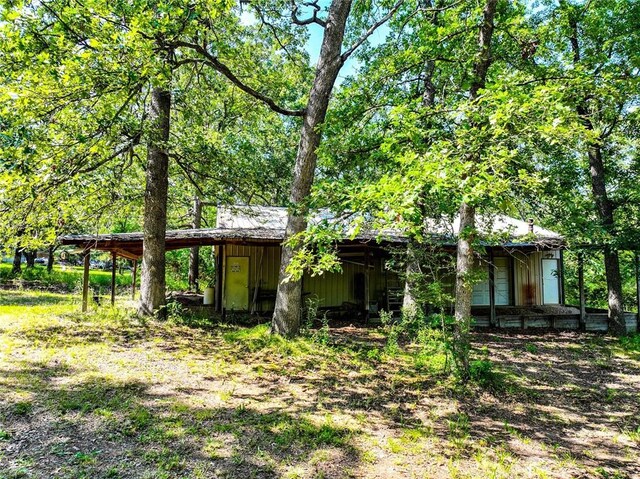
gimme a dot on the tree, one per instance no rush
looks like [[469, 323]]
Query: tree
[[457, 130], [467, 228], [600, 41], [102, 61], [152, 280], [286, 316]]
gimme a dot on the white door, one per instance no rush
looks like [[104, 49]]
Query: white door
[[550, 282], [501, 281], [480, 293]]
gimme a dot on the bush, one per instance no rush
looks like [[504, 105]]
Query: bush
[[482, 373], [631, 342]]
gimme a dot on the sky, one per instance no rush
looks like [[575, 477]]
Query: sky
[[315, 42], [350, 67]]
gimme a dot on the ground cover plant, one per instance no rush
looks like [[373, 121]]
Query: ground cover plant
[[64, 278], [103, 395], [69, 278]]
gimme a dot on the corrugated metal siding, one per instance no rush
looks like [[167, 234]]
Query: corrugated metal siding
[[264, 263], [331, 289]]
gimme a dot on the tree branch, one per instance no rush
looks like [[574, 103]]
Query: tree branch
[[220, 67], [307, 21], [369, 32]]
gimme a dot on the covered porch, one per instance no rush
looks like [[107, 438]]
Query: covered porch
[[524, 287]]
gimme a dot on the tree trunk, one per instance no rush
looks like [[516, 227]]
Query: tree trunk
[[605, 209], [50, 258], [410, 304], [464, 289], [466, 233], [152, 279], [194, 253], [286, 315], [17, 261], [409, 301], [30, 255]]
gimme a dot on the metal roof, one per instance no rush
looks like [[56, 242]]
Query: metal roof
[[265, 225]]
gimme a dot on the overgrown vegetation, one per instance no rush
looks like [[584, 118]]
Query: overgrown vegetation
[[105, 395], [631, 343]]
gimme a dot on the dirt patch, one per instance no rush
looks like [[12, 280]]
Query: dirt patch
[[168, 401]]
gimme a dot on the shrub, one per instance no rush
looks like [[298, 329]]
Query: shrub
[[631, 342]]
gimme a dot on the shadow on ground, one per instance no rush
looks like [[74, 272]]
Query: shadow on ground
[[233, 402]]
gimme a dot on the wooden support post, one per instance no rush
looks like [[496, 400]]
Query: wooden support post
[[636, 260], [194, 253], [492, 290], [135, 275], [218, 283], [113, 278], [583, 306], [563, 299], [386, 289], [366, 284], [256, 283], [223, 286], [85, 282]]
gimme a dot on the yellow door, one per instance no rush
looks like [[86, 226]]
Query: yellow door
[[237, 283]]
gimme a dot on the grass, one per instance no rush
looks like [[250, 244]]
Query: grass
[[69, 278], [104, 395]]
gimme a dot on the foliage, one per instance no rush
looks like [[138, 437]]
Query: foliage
[[404, 143], [590, 66], [481, 371], [429, 335], [595, 279], [631, 343], [68, 278], [74, 103]]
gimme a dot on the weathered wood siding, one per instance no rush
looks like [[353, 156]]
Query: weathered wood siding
[[595, 322]]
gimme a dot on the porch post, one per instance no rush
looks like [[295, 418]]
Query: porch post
[[636, 258], [223, 286], [366, 284], [113, 278], [133, 283], [492, 290], [194, 252], [583, 306], [561, 274], [85, 281], [218, 291]]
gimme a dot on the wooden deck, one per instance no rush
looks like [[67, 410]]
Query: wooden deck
[[507, 317], [538, 318]]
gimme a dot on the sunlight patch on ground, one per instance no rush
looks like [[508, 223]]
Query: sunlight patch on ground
[[105, 395]]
